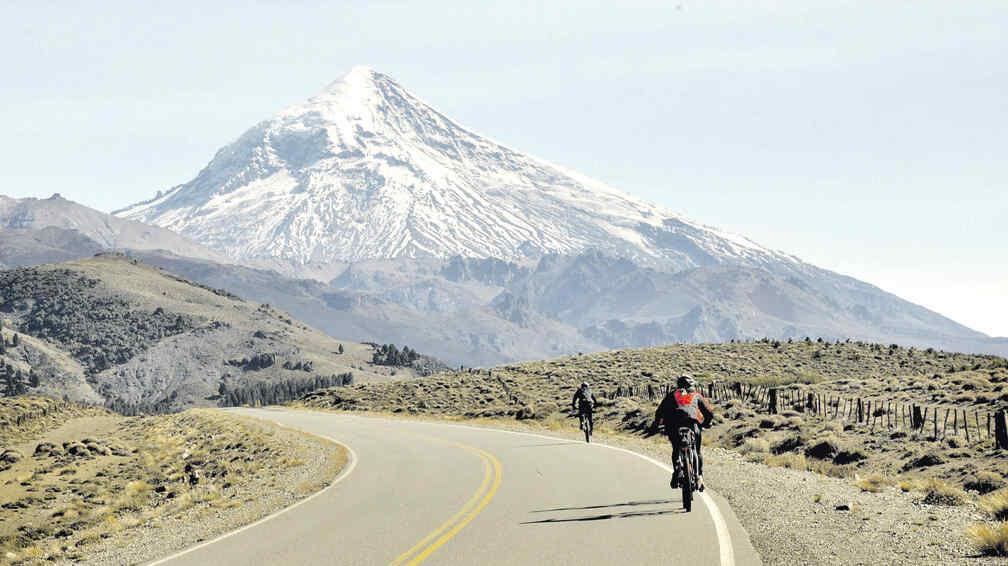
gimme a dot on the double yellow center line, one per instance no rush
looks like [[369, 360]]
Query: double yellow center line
[[437, 538]]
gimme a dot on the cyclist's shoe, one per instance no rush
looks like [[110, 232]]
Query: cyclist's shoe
[[700, 484], [674, 482]]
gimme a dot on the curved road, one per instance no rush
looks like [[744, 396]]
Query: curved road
[[447, 494]]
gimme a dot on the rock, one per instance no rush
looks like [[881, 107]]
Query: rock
[[842, 507]]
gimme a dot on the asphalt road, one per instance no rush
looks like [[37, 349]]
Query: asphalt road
[[446, 494]]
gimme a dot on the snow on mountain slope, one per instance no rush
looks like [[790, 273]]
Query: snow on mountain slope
[[104, 230], [366, 170]]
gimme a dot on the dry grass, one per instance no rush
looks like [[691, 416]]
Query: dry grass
[[996, 504], [940, 492], [162, 466], [754, 446], [990, 539], [787, 460], [873, 483], [907, 485]]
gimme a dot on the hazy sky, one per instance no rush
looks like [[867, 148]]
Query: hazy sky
[[865, 137]]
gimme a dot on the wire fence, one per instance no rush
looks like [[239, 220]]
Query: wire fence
[[874, 414]]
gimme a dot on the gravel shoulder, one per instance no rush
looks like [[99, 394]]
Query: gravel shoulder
[[800, 517]]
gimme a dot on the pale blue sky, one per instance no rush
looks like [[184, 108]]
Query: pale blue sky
[[865, 137]]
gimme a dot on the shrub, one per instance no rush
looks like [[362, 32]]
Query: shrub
[[788, 444], [792, 461], [925, 461], [546, 408], [755, 445], [908, 484], [526, 412], [872, 483], [940, 492], [996, 504], [772, 421], [849, 456], [991, 540], [824, 449], [985, 482]]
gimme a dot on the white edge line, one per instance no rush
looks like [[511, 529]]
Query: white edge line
[[725, 548], [342, 476]]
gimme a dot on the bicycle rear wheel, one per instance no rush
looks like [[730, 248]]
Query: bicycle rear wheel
[[686, 483]]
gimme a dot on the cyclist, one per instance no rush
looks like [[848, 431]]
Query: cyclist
[[684, 407], [584, 402]]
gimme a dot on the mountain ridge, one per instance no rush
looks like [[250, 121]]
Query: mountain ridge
[[107, 231]]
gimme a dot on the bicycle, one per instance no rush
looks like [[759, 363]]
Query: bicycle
[[687, 465], [586, 425]]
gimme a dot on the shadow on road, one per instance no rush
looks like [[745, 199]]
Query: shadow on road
[[607, 516], [570, 443], [626, 504]]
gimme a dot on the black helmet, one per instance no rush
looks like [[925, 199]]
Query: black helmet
[[584, 384], [686, 381]]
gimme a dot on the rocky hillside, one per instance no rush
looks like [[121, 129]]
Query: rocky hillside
[[114, 331]]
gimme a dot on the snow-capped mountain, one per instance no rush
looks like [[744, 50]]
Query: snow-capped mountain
[[366, 170], [417, 230]]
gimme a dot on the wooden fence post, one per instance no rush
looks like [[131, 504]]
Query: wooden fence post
[[860, 410], [917, 420], [966, 425], [773, 401], [1001, 429]]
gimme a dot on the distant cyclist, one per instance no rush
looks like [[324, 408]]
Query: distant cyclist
[[684, 407], [584, 402]]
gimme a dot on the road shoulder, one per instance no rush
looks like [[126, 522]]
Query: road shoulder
[[309, 464]]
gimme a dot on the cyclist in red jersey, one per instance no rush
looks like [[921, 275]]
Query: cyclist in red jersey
[[685, 406]]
